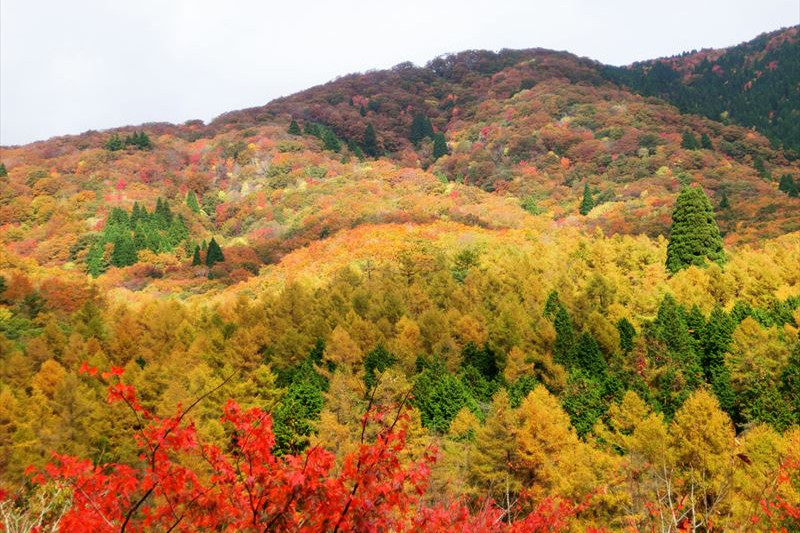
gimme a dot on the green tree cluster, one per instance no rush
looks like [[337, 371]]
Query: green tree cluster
[[129, 233], [138, 140]]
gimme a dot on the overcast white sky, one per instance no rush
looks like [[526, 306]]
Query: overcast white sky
[[67, 66]]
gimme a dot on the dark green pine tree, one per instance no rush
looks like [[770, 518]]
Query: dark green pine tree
[[140, 237], [370, 142], [626, 335], [705, 142], [789, 186], [427, 128], [484, 360], [124, 253], [177, 232], [439, 396], [136, 215], [689, 141], [196, 259], [3, 170], [330, 141], [118, 219], [587, 203], [114, 143], [694, 236], [439, 146], [140, 140], [672, 330], [153, 237], [724, 202], [294, 419], [214, 253], [191, 201], [362, 111], [95, 261], [716, 340], [565, 337], [671, 327], [294, 128], [589, 358], [714, 343], [162, 214], [583, 401], [552, 304], [419, 128]]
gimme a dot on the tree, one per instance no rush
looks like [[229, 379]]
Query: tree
[[96, 263], [587, 203], [163, 214], [439, 146], [626, 335], [440, 396], [370, 142], [705, 142], [725, 202], [143, 141], [124, 253], [421, 127], [3, 170], [694, 236], [565, 337], [495, 451], [588, 356], [689, 141], [114, 143], [191, 201], [139, 140], [294, 128], [789, 186], [180, 482], [196, 259], [214, 253], [330, 141], [552, 304]]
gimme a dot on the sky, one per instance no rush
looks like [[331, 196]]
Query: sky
[[70, 66]]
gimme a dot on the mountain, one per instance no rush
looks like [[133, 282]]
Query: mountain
[[531, 128], [414, 293], [753, 84]]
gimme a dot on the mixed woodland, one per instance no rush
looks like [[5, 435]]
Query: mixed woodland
[[517, 291]]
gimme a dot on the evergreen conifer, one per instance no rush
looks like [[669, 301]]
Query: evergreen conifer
[[370, 143], [694, 236], [214, 253], [588, 202], [439, 146], [294, 128]]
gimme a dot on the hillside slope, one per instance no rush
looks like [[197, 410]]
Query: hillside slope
[[424, 290], [754, 84]]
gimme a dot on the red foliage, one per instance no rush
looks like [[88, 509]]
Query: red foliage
[[181, 484], [64, 295]]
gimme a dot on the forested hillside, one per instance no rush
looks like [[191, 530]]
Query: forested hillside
[[501, 292], [753, 84]]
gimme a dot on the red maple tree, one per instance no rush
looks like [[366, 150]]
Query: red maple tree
[[182, 484]]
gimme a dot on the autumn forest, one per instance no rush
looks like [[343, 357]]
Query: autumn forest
[[515, 291]]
